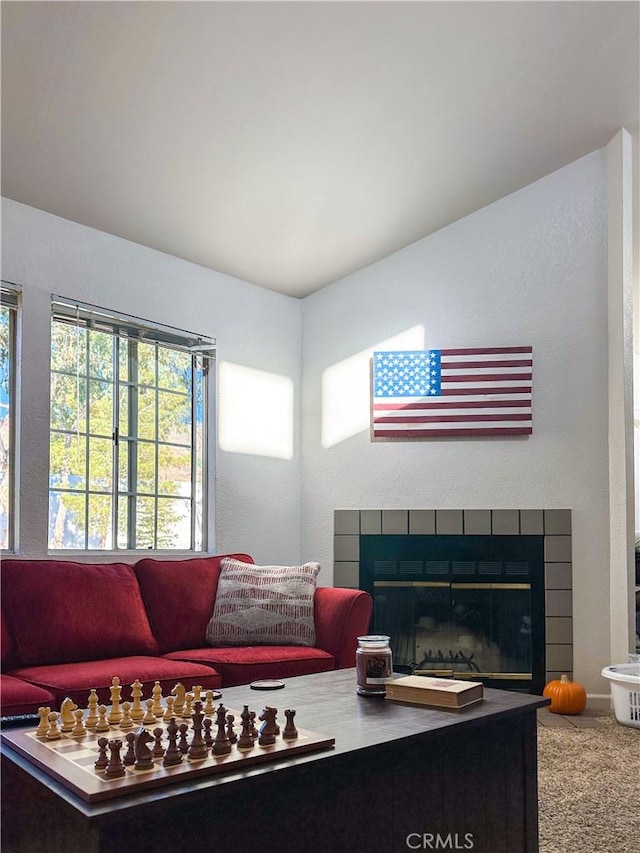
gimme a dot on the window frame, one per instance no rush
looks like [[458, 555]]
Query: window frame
[[133, 331], [10, 297]]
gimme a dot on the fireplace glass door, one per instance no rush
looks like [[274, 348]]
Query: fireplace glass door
[[465, 630]]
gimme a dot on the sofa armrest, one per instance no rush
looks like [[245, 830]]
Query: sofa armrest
[[341, 616]]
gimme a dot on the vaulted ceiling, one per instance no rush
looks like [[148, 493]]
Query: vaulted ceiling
[[291, 143]]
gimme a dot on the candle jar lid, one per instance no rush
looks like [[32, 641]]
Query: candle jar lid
[[374, 641]]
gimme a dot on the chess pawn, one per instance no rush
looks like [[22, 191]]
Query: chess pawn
[[169, 713], [209, 707], [149, 718], [158, 749], [115, 767], [188, 705], [79, 728], [103, 724], [172, 754], [126, 722], [43, 725], [156, 692], [197, 692], [92, 704], [130, 754], [233, 737], [54, 731], [102, 760]]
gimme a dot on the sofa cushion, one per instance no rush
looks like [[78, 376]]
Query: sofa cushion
[[77, 679], [263, 605], [179, 596], [20, 697], [241, 665], [63, 611]]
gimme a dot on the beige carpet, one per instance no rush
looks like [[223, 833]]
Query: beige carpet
[[589, 788]]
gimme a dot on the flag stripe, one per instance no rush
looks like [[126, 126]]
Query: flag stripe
[[487, 377], [437, 433], [451, 364], [486, 351], [464, 418], [462, 404], [452, 392]]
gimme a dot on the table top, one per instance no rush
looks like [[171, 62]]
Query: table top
[[326, 703]]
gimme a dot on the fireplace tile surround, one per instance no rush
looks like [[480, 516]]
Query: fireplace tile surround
[[553, 524]]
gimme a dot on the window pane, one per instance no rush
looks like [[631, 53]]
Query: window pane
[[100, 380], [100, 407], [174, 418], [146, 364], [68, 348], [100, 533], [146, 469], [174, 470], [123, 359], [174, 370], [67, 461], [145, 522], [100, 464], [147, 414], [123, 414], [174, 523], [68, 398], [101, 355], [66, 520], [123, 522], [123, 466]]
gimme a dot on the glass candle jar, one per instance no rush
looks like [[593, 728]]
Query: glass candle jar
[[373, 665]]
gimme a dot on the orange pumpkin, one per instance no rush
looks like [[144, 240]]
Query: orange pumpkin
[[567, 697]]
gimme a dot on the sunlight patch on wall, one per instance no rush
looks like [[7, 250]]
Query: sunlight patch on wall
[[255, 411], [346, 396]]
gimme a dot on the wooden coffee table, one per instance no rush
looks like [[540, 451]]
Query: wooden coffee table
[[400, 777]]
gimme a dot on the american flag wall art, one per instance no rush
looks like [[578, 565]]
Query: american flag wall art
[[451, 393]]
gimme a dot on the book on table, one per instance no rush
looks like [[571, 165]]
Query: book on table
[[441, 692]]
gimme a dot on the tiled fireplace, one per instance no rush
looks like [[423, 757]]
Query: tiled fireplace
[[482, 593]]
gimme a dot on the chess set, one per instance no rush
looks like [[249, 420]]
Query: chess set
[[104, 752]]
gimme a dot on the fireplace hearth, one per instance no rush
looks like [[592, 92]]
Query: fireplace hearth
[[479, 594]]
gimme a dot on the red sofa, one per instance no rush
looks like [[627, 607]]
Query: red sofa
[[69, 627]]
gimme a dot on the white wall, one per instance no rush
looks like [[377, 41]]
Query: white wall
[[529, 269], [257, 497]]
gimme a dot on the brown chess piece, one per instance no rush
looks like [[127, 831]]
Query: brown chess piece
[[172, 754], [222, 744], [245, 741], [144, 757], [115, 767], [198, 748], [290, 732], [130, 754], [102, 759], [269, 727]]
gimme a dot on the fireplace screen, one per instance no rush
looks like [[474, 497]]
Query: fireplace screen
[[458, 629], [465, 606]]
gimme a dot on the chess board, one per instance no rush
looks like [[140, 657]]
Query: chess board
[[70, 760]]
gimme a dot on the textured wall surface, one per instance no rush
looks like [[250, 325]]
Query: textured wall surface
[[257, 506], [529, 269]]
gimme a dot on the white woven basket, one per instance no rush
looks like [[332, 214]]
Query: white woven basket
[[625, 692]]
